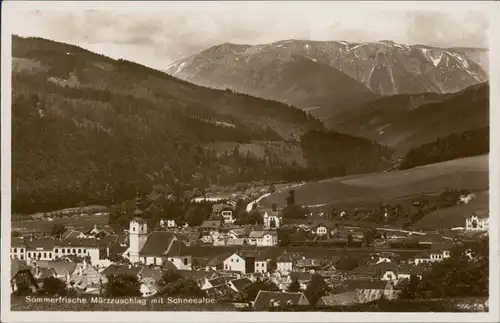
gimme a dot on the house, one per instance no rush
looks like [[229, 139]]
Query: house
[[210, 227], [342, 299], [322, 230], [261, 264], [431, 256], [21, 277], [235, 262], [220, 291], [40, 273], [478, 221], [238, 233], [18, 249], [97, 232], [266, 300], [63, 269], [148, 287], [155, 248], [236, 242], [272, 219], [305, 264], [52, 249], [214, 282], [169, 223], [238, 285], [370, 290], [199, 276], [263, 238], [223, 210], [73, 234], [217, 262], [86, 279], [303, 278], [284, 263]]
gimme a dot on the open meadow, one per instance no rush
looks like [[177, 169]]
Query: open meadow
[[366, 190]]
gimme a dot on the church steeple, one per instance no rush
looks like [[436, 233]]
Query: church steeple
[[138, 212]]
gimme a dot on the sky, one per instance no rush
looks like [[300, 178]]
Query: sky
[[157, 37]]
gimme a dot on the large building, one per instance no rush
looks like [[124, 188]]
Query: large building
[[478, 221], [156, 247], [51, 249]]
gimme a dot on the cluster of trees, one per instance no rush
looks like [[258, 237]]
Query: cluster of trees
[[456, 145], [457, 276]]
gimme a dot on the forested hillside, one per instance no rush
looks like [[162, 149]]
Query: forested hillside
[[86, 128], [457, 145]]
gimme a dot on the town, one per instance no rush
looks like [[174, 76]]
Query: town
[[270, 264]]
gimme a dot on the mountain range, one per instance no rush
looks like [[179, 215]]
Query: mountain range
[[328, 77], [408, 120]]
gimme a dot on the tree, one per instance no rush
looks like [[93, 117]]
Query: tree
[[183, 287], [53, 286], [250, 292], [411, 289], [316, 289], [58, 230], [283, 236], [122, 285], [346, 263], [294, 286], [168, 277]]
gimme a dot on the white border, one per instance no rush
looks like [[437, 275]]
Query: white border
[[448, 6]]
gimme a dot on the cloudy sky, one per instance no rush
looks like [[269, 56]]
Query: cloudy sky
[[158, 37]]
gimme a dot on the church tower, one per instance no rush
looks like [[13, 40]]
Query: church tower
[[138, 232]]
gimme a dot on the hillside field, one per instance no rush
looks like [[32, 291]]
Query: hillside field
[[391, 187]]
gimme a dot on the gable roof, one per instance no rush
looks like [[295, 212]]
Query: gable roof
[[41, 244], [264, 298], [256, 234], [300, 275], [347, 298], [218, 281], [177, 249], [241, 283], [210, 224], [219, 291], [157, 243], [365, 284], [71, 234], [61, 267], [16, 266], [115, 269]]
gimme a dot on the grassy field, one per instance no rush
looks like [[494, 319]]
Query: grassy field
[[454, 216], [45, 226], [367, 190]]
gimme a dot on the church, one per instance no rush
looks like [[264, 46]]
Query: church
[[154, 247]]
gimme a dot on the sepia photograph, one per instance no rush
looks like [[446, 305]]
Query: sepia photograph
[[249, 160]]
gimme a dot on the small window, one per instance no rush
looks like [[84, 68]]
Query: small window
[[29, 254], [56, 250], [22, 257], [79, 250], [44, 255], [50, 254], [185, 261], [68, 250], [63, 251], [232, 260], [74, 250], [133, 229], [15, 249], [237, 260], [21, 250]]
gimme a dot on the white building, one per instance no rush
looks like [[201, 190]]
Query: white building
[[272, 220], [263, 238], [235, 262], [478, 221], [154, 248], [167, 223]]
